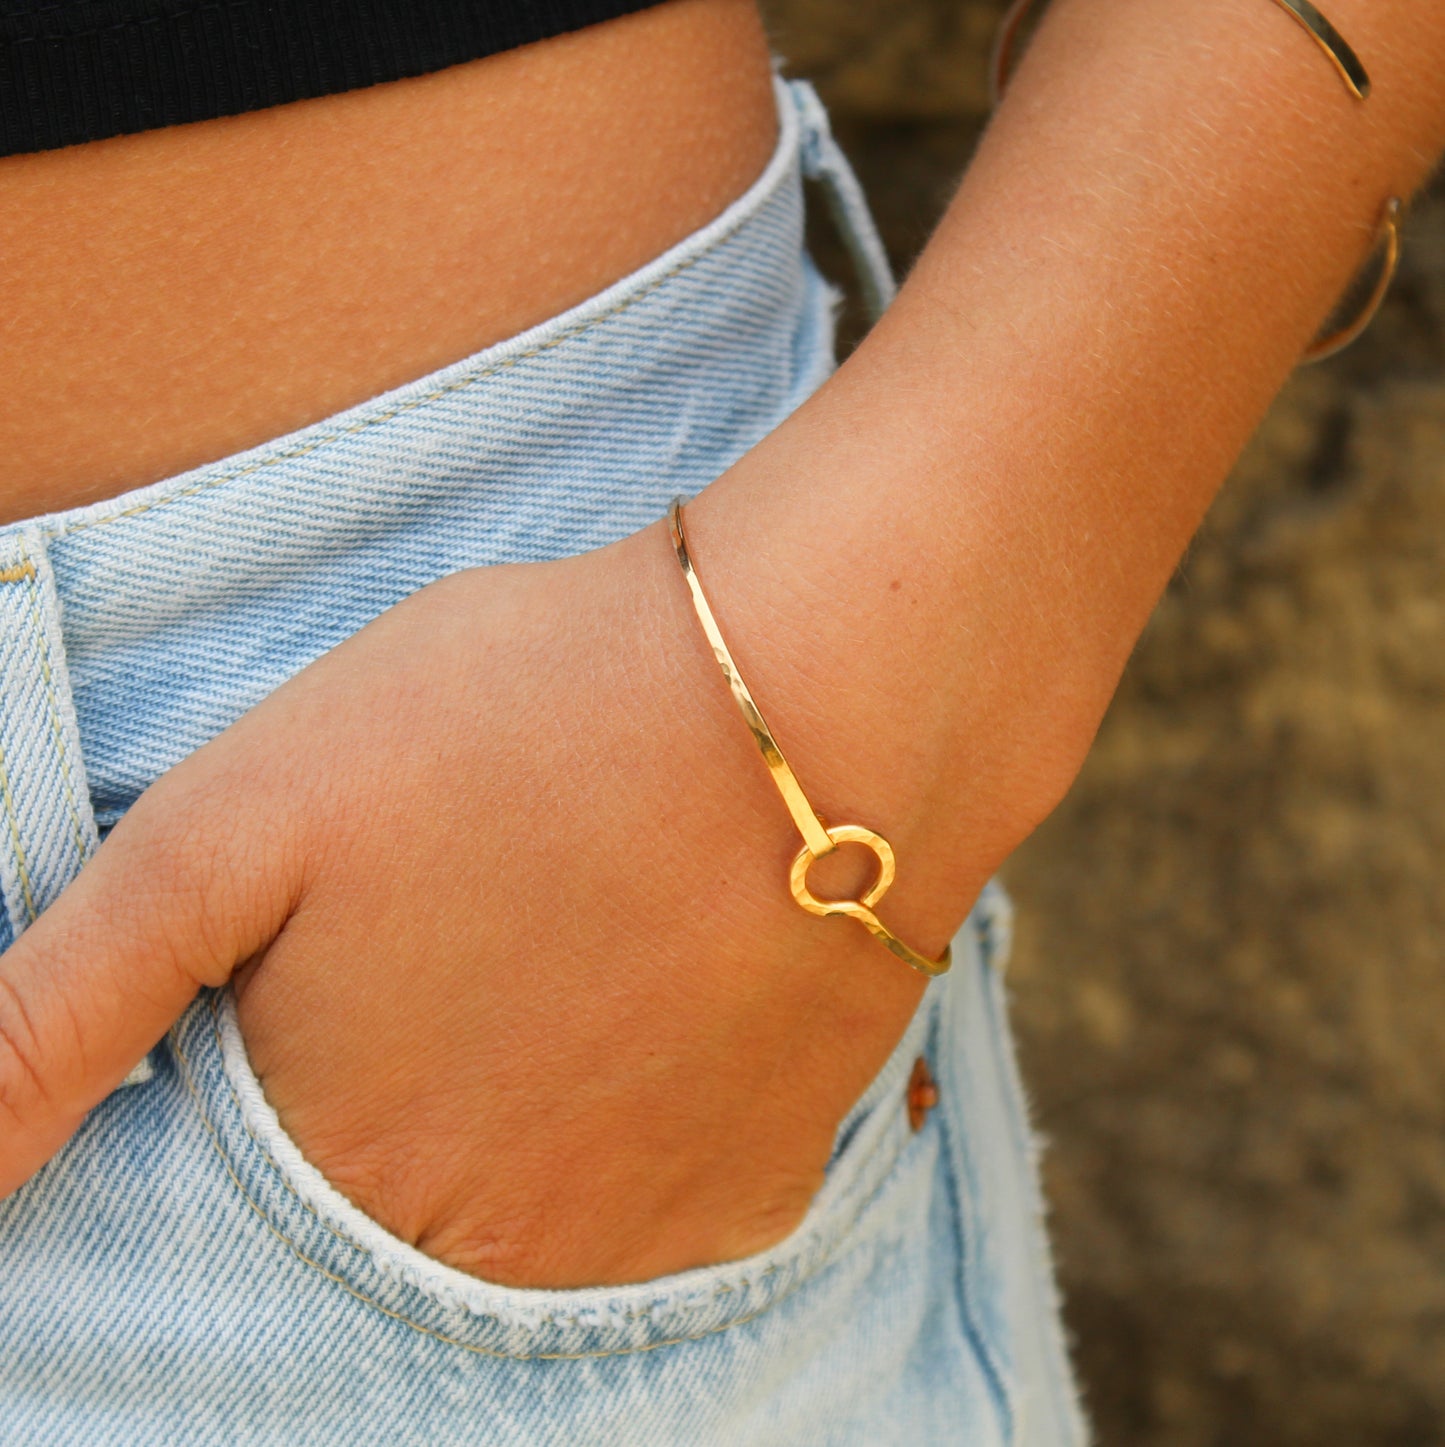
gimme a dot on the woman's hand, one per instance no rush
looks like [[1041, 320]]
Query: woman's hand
[[505, 867], [502, 885]]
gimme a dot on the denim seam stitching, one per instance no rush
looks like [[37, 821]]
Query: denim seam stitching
[[17, 845], [21, 573], [973, 1329], [295, 1249], [1065, 1390], [998, 1379], [42, 651], [266, 1155], [458, 384], [861, 1164]]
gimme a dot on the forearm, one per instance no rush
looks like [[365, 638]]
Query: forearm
[[935, 571], [931, 576]]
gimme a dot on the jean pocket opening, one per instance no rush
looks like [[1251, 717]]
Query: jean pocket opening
[[324, 1232]]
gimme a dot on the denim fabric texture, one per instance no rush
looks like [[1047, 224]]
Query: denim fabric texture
[[180, 1273]]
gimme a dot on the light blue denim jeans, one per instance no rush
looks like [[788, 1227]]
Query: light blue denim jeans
[[180, 1273]]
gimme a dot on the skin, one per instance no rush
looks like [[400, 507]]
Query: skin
[[1010, 465], [177, 295]]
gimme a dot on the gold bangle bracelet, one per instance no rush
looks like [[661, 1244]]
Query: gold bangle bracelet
[[819, 838], [1335, 46], [1356, 78]]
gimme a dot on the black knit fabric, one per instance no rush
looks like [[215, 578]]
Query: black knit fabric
[[81, 70]]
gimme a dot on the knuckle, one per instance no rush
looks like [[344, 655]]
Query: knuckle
[[22, 1082], [200, 862]]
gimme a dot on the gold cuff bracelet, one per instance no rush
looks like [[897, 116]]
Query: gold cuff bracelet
[[1356, 78], [819, 838]]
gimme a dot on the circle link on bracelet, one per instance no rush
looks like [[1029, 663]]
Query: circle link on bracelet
[[861, 909], [819, 839]]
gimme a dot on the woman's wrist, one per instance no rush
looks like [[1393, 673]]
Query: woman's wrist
[[933, 572], [716, 805], [887, 705]]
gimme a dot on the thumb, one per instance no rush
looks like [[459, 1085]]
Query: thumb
[[174, 899]]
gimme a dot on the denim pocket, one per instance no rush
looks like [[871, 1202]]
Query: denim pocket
[[326, 1231], [847, 1331], [180, 1274]]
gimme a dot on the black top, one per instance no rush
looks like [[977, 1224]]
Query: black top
[[80, 70]]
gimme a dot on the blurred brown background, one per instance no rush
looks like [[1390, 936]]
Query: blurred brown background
[[1230, 976]]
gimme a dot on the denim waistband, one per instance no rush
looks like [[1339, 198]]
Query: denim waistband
[[135, 629]]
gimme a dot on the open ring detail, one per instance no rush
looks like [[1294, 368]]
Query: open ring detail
[[819, 839], [861, 909]]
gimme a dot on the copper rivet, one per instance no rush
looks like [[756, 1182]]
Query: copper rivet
[[922, 1094]]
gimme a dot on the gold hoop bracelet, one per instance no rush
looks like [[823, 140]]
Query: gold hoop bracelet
[[1387, 234], [819, 838], [1357, 80]]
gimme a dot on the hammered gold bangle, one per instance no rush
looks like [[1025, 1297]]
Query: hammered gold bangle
[[819, 838], [1356, 78]]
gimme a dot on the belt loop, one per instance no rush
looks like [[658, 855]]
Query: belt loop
[[824, 162], [47, 828]]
